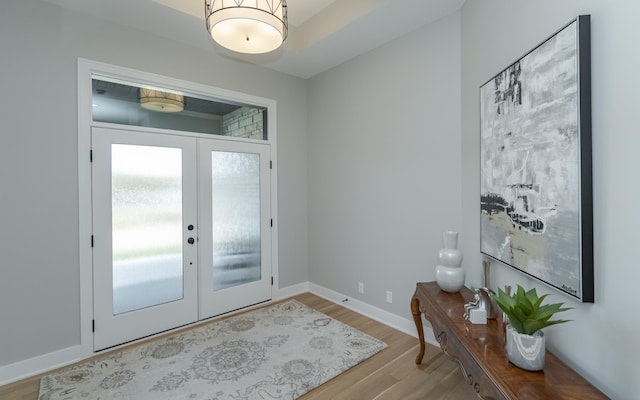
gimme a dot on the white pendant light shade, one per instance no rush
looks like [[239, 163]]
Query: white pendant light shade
[[247, 26], [157, 100]]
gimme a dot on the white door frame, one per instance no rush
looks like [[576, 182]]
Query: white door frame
[[86, 70]]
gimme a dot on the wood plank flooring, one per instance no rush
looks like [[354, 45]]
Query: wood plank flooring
[[389, 375]]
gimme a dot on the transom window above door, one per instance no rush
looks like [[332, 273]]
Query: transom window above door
[[127, 103]]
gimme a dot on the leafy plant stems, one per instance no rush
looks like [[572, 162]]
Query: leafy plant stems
[[525, 310]]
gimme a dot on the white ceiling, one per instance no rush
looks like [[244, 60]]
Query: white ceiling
[[322, 33]]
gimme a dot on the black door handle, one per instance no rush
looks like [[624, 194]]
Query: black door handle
[[191, 240]]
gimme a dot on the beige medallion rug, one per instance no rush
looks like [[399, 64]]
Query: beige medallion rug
[[277, 352]]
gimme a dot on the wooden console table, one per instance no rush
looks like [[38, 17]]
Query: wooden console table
[[479, 349]]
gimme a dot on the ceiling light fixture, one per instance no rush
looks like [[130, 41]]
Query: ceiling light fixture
[[247, 26], [157, 100]]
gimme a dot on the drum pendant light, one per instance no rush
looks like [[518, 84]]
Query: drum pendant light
[[247, 26]]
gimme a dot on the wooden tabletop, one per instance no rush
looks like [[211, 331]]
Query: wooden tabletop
[[480, 350]]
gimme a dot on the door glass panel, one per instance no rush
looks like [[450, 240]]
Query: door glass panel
[[147, 226], [236, 218]]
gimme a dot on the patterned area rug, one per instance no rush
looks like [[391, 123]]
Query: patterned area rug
[[277, 352]]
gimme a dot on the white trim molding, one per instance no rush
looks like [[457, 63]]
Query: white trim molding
[[291, 291], [394, 321], [47, 362], [40, 364], [86, 71]]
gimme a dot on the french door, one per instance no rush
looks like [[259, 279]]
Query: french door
[[235, 228], [180, 230]]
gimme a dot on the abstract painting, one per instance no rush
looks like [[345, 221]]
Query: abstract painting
[[536, 192]]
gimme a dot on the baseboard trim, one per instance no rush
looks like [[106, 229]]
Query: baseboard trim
[[50, 361], [292, 290], [394, 321], [40, 364]]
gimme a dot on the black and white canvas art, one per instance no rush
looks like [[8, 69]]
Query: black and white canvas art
[[536, 212]]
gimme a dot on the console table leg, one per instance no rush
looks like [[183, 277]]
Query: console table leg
[[417, 318]]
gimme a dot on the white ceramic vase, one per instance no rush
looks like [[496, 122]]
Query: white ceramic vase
[[449, 273], [526, 351]]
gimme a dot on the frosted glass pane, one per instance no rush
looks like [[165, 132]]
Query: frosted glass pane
[[236, 218], [147, 226]]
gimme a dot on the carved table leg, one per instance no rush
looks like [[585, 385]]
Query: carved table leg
[[417, 318]]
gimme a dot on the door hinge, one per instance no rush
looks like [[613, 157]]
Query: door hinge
[[270, 164], [90, 155], [91, 240], [93, 325], [272, 222], [272, 281]]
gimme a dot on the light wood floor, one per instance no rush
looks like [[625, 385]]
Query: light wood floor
[[389, 375]]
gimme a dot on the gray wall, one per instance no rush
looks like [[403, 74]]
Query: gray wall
[[600, 342], [40, 44], [384, 166], [392, 161]]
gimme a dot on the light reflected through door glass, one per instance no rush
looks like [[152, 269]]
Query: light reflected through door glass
[[129, 103], [236, 218], [147, 226]]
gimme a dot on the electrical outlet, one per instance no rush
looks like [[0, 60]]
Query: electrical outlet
[[360, 287], [389, 297]]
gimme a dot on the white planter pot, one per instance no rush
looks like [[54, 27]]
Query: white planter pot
[[526, 351]]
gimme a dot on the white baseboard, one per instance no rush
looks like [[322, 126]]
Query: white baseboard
[[292, 290], [396, 322], [37, 365], [47, 362]]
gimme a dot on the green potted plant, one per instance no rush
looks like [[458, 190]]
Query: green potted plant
[[527, 316]]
